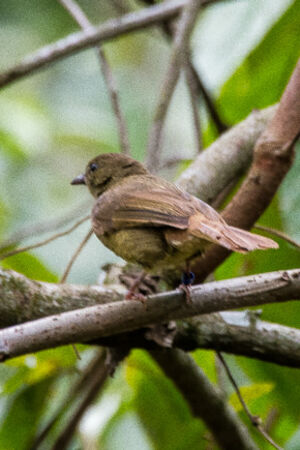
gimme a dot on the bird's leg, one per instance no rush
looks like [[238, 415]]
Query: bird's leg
[[187, 280], [132, 294]]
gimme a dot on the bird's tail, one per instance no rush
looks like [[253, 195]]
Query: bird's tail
[[246, 241], [233, 238]]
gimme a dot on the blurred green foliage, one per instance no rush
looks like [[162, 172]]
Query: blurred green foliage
[[51, 124]]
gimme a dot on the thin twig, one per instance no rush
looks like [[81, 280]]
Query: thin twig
[[167, 27], [79, 16], [255, 420], [43, 227], [193, 91], [81, 40], [181, 40], [220, 125], [75, 255], [277, 233], [94, 367], [44, 242]]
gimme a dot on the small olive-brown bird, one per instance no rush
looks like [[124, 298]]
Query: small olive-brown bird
[[149, 221]]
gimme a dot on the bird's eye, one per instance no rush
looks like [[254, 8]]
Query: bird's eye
[[93, 167]]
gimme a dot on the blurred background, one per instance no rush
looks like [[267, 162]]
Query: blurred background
[[53, 122]]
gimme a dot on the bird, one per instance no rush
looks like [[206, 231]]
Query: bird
[[149, 221]]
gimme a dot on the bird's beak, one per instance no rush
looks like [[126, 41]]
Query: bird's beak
[[80, 179]]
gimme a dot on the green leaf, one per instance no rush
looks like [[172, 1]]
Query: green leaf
[[10, 147], [160, 406], [289, 198], [263, 75], [23, 415], [250, 393], [30, 266]]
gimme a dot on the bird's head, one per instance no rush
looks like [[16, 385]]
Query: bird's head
[[106, 170]]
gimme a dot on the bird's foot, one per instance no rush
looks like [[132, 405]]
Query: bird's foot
[[131, 295], [187, 281]]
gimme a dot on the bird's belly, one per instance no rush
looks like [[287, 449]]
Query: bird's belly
[[137, 245], [150, 249]]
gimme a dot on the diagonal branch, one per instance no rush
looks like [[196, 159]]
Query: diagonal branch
[[78, 15], [238, 332], [113, 318], [225, 159], [44, 227], [79, 41], [273, 156], [204, 399], [181, 41]]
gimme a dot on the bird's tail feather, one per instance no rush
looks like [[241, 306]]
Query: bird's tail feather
[[234, 239]]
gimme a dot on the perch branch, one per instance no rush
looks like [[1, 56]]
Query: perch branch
[[112, 318]]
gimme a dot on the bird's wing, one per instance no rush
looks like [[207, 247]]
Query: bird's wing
[[143, 204]]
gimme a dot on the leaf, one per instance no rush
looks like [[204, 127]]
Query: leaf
[[22, 417], [289, 198], [30, 266], [10, 147], [160, 406], [250, 393], [263, 75]]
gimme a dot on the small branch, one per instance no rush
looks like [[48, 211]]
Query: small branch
[[43, 227], [95, 367], [93, 386], [255, 420], [44, 242], [193, 75], [113, 318], [181, 41], [75, 256], [220, 125], [277, 233], [78, 15], [79, 41], [204, 399], [193, 91]]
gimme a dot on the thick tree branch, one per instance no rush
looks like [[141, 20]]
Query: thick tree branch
[[273, 156], [23, 300], [79, 41], [113, 318], [204, 399], [240, 333], [224, 160]]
